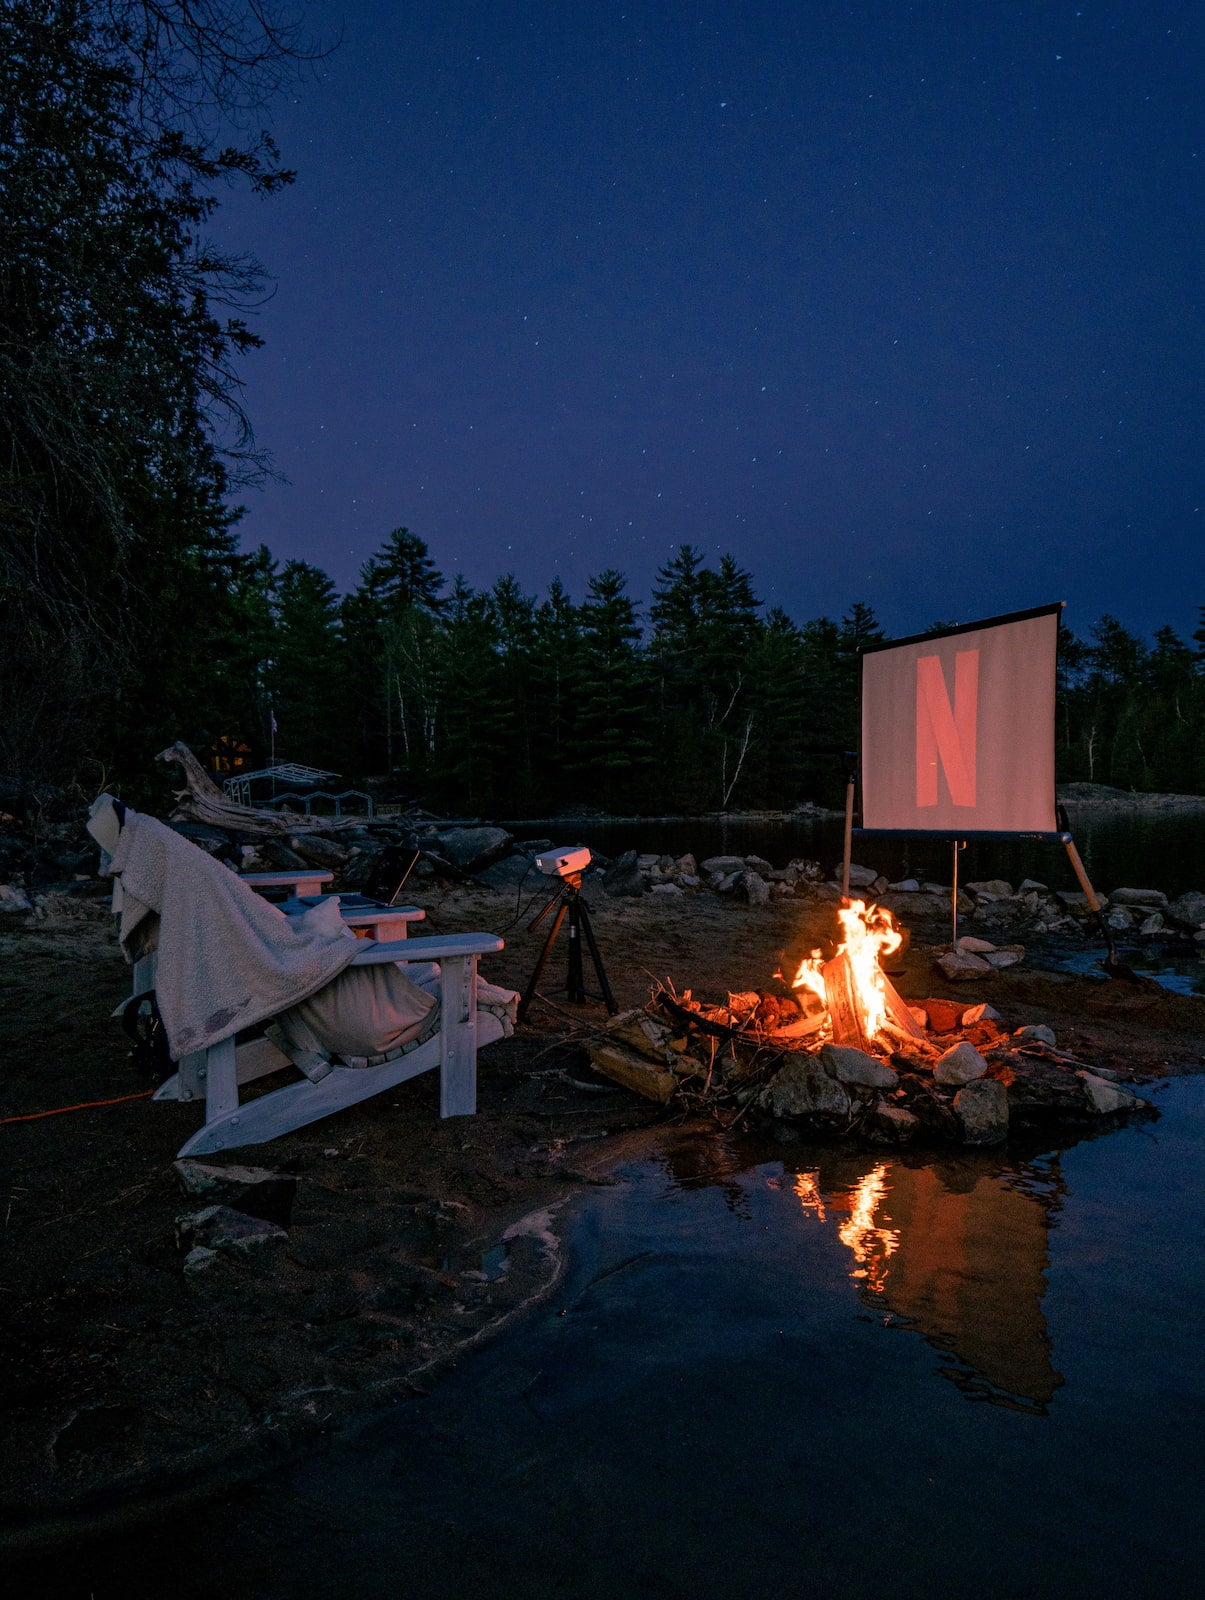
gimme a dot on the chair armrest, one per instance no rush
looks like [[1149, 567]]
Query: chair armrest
[[285, 880], [435, 947]]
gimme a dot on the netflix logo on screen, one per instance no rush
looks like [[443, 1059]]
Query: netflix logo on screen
[[958, 729]]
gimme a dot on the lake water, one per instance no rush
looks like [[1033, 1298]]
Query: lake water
[[1159, 851], [784, 1370]]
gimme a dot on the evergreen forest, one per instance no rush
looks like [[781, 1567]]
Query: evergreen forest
[[133, 617]]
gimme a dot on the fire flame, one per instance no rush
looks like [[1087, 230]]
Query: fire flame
[[870, 934]]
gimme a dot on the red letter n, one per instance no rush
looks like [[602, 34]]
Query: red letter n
[[945, 733]]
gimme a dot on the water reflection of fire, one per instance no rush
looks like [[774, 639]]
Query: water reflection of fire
[[872, 1244], [870, 934]]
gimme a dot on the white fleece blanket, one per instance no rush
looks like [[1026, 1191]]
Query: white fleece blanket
[[226, 958]]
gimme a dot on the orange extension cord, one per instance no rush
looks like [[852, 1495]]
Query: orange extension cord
[[85, 1105]]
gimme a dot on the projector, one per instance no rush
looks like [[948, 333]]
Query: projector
[[564, 861]]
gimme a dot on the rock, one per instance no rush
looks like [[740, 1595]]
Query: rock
[[1035, 1033], [279, 857], [802, 1088], [1188, 909], [198, 1260], [511, 872], [1077, 903], [759, 865], [1009, 956], [727, 883], [254, 1191], [757, 890], [782, 891], [888, 1124], [861, 877], [982, 1109], [648, 863], [980, 1013], [686, 866], [212, 840], [976, 947], [315, 851], [962, 1063], [960, 968], [855, 1066], [667, 888], [471, 849], [1152, 898], [944, 1015], [905, 886], [1105, 1098], [623, 876], [721, 866], [1152, 924], [990, 889], [14, 899], [224, 1229], [1032, 886], [1120, 920]]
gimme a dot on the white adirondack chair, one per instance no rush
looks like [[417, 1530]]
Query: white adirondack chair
[[216, 1075]]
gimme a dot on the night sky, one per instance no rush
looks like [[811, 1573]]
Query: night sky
[[897, 303]]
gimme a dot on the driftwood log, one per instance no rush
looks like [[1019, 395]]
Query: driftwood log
[[203, 801]]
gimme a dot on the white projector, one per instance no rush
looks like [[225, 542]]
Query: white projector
[[564, 861]]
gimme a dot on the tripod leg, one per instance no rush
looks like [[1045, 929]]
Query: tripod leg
[[575, 983], [604, 986], [529, 992]]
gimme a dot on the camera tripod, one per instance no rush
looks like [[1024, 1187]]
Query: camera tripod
[[568, 901]]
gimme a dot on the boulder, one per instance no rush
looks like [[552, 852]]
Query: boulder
[[721, 866], [726, 883], [1120, 920], [990, 889], [980, 1013], [982, 1110], [1188, 909], [905, 886], [961, 1064], [251, 1191], [759, 864], [686, 866], [964, 968], [976, 947], [802, 1088], [667, 888], [471, 849], [1032, 886], [14, 899], [1154, 898], [212, 840], [226, 1230], [944, 1015], [510, 872], [1035, 1033], [888, 1124], [279, 857], [1105, 1098], [757, 890], [1153, 924], [861, 877], [623, 876], [855, 1066], [315, 851], [1009, 956]]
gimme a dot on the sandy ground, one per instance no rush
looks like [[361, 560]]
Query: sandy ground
[[126, 1382]]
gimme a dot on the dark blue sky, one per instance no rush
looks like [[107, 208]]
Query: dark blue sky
[[898, 303]]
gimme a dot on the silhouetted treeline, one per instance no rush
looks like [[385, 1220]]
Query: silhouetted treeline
[[497, 701]]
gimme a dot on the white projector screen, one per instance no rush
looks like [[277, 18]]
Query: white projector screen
[[958, 729]]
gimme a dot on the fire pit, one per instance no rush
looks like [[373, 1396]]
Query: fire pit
[[837, 1050]]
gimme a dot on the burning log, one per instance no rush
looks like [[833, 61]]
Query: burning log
[[841, 997]]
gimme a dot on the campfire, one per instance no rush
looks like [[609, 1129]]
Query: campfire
[[836, 1047]]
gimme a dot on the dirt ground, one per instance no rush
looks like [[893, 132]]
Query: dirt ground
[[125, 1382]]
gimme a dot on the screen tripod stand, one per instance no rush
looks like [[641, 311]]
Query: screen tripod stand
[[567, 901]]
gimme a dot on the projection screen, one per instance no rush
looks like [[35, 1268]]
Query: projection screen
[[958, 729]]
